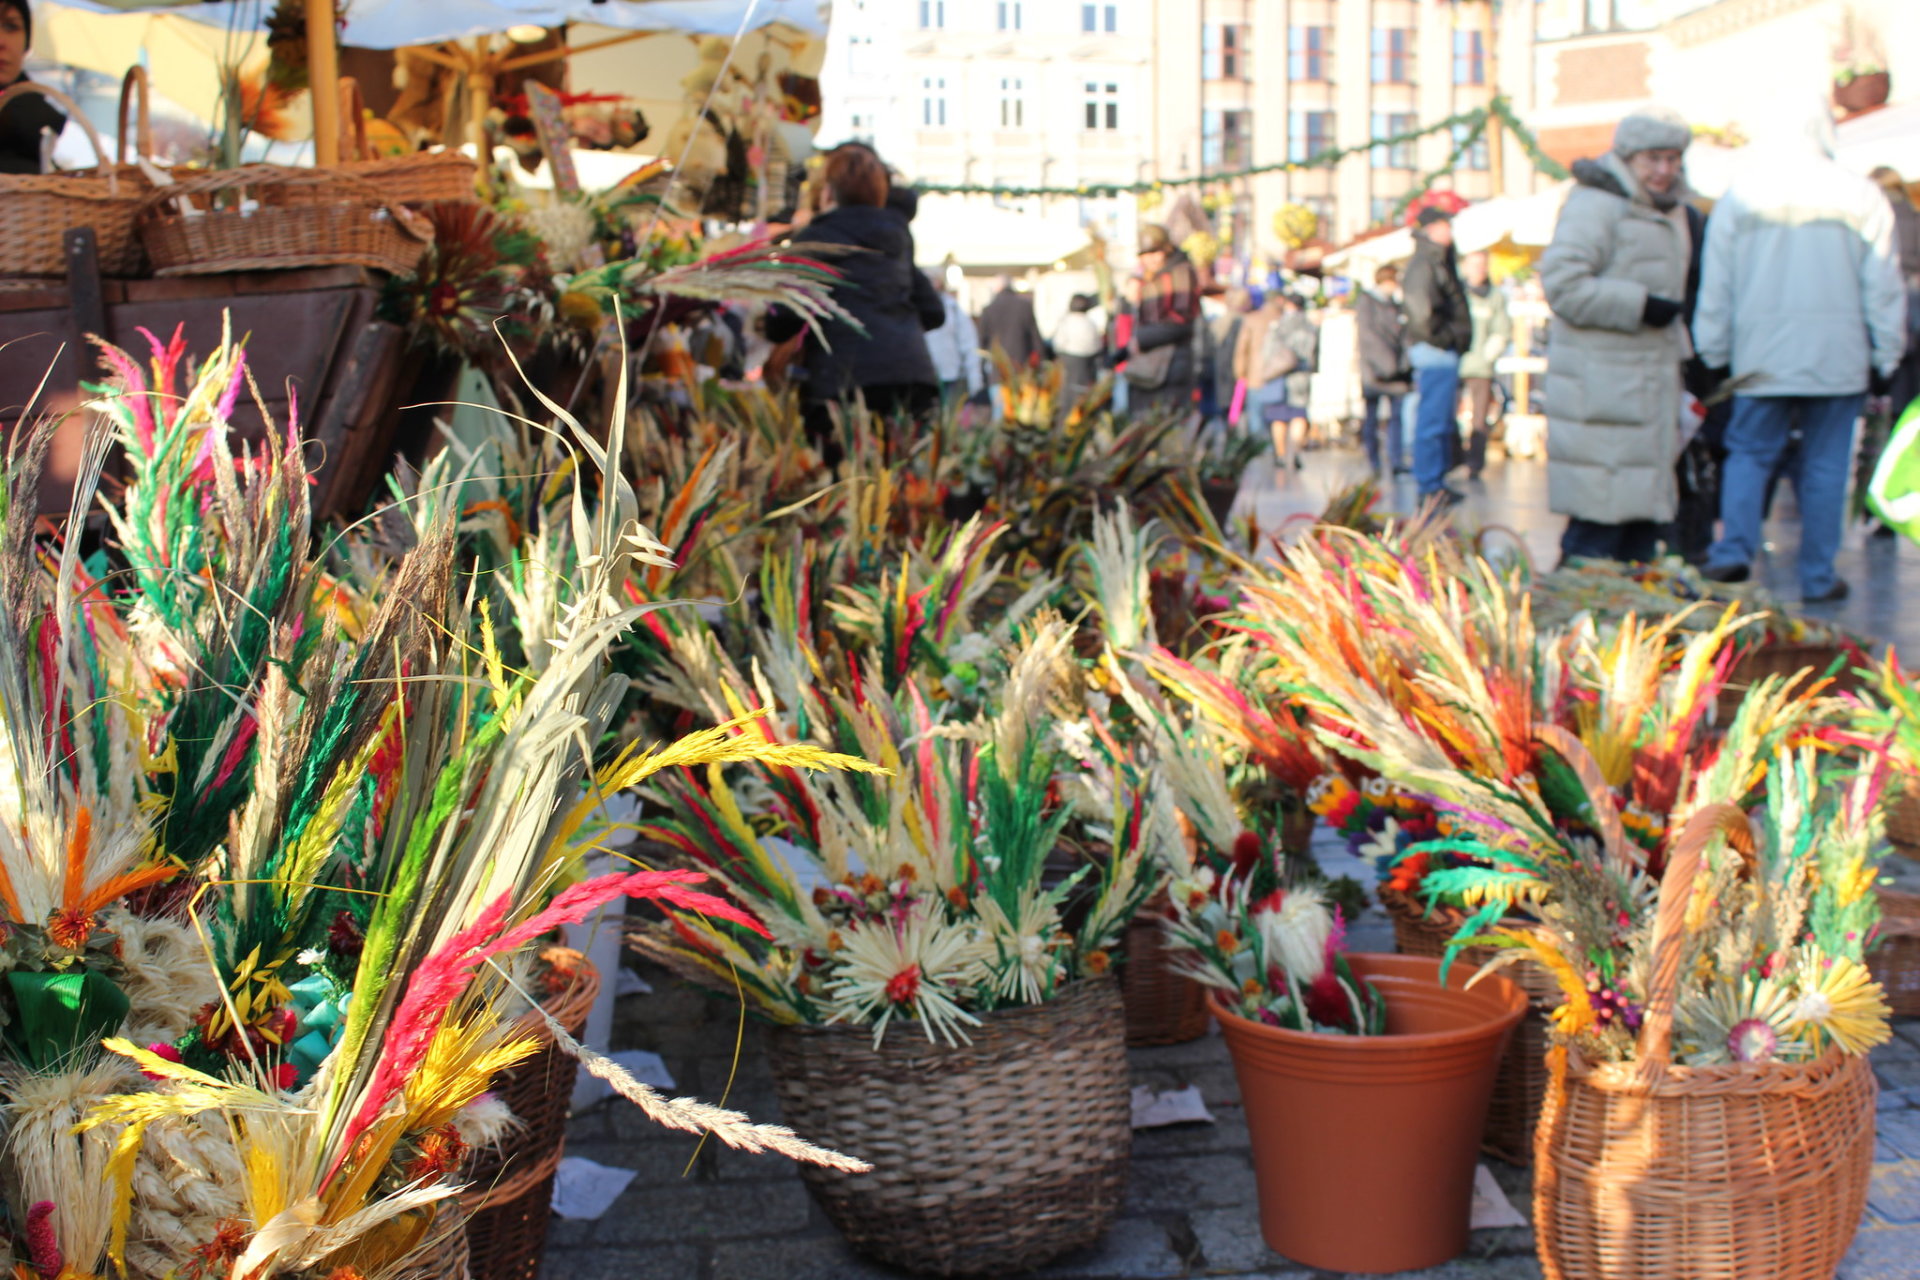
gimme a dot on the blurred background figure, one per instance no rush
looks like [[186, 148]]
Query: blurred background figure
[[1905, 383], [1616, 278], [1008, 323], [1492, 335], [954, 348], [1439, 329], [1225, 333], [28, 122], [1079, 345], [1160, 363], [1802, 299], [1384, 375]]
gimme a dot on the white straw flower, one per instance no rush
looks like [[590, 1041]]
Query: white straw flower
[[1294, 934]]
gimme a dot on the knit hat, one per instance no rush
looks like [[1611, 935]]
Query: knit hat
[[1431, 214], [1154, 239], [1654, 129]]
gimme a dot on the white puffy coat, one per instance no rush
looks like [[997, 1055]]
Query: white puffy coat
[[1799, 281], [1613, 383]]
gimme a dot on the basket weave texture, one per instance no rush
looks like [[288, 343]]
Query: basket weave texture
[[1895, 963], [419, 177], [40, 207], [265, 217], [1520, 1087], [1163, 1005], [443, 1255], [1903, 821], [989, 1158], [1742, 1171], [510, 1188], [1779, 658]]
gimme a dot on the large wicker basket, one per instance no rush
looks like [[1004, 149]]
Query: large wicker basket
[[1903, 820], [1780, 658], [1895, 962], [265, 217], [1163, 1005], [1744, 1171], [510, 1189], [988, 1159], [40, 208], [419, 177], [1520, 1088], [443, 1254]]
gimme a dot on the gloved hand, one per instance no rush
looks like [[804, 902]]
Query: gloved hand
[[1659, 312], [1878, 384]]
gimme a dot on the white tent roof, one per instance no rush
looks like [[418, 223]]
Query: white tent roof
[[980, 235], [1360, 258], [1526, 220], [1889, 136], [389, 24]]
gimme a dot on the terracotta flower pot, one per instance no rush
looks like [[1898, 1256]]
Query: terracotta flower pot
[[1364, 1146]]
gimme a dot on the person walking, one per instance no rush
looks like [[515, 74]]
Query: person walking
[[1439, 330], [954, 348], [1385, 378], [1007, 324], [1492, 335], [1226, 344], [1615, 276], [1296, 335], [1800, 293], [1160, 365], [1079, 344], [880, 355]]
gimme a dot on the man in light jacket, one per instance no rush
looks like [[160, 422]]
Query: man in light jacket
[[955, 348], [1615, 276], [1801, 292], [1439, 329]]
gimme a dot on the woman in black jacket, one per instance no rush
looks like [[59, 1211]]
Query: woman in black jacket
[[868, 243], [23, 119]]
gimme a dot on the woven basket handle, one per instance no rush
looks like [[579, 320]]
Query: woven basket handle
[[72, 108], [134, 92], [1655, 1048], [353, 121], [268, 175]]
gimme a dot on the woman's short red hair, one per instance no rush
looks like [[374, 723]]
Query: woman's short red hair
[[855, 176]]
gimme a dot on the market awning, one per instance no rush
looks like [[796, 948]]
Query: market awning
[[984, 237]]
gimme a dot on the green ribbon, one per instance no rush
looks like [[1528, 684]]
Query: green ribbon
[[61, 1015]]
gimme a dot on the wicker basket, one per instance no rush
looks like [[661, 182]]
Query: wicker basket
[[41, 207], [1779, 658], [443, 1255], [1895, 962], [1746, 1171], [1163, 1005], [1520, 1088], [988, 1159], [420, 177], [510, 1188], [1903, 821], [264, 217]]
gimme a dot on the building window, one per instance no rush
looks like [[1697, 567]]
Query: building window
[[1013, 104], [1307, 53], [1380, 211], [1308, 134], [1226, 140], [860, 127], [1225, 52], [1389, 124], [933, 14], [1100, 18], [1009, 15], [1469, 57], [859, 53], [1475, 156], [1103, 106], [1322, 209], [1392, 55], [933, 102]]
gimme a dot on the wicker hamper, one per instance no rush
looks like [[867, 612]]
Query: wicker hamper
[[1743, 1171], [989, 1158], [510, 1188], [41, 207], [1521, 1085], [1163, 1005], [266, 217]]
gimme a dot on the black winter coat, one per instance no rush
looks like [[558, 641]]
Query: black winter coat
[[882, 289], [1436, 301], [20, 124]]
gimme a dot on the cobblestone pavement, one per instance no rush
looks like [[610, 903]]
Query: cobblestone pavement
[[699, 1212]]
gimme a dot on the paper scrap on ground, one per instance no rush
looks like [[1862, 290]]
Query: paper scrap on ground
[[628, 983], [585, 1189], [646, 1067], [1491, 1208], [1177, 1106]]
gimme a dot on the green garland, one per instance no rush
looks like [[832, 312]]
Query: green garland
[[1477, 120]]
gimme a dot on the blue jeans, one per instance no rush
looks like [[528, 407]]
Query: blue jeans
[[1436, 378], [1756, 437], [1380, 431]]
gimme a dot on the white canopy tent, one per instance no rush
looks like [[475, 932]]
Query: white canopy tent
[[1889, 136]]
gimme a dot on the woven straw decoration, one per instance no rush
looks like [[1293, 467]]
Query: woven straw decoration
[[1745, 1171], [1521, 1085], [1895, 962], [1163, 1005], [987, 1159], [510, 1189]]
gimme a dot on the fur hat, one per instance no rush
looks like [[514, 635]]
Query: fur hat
[[1154, 238], [1654, 129]]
